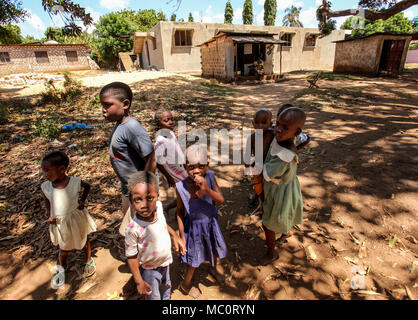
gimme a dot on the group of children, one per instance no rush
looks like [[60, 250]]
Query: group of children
[[148, 238]]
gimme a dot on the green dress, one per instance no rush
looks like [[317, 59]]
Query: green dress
[[283, 204]]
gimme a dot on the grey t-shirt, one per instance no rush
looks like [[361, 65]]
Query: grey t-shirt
[[129, 143]]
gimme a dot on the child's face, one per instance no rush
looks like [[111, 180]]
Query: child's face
[[52, 173], [167, 121], [113, 109], [144, 198], [196, 169], [286, 129], [262, 121]]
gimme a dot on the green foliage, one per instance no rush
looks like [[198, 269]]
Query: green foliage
[[70, 93], [11, 11], [173, 17], [395, 24], [413, 45], [291, 18], [108, 34], [3, 114], [10, 34], [270, 10], [328, 27], [47, 128], [229, 13], [58, 35], [29, 39], [247, 12], [112, 29], [191, 19]]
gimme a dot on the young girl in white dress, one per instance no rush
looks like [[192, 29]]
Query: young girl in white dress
[[70, 222]]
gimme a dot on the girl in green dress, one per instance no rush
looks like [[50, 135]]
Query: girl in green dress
[[282, 205]]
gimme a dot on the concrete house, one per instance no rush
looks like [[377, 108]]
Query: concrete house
[[39, 57], [175, 46], [380, 52]]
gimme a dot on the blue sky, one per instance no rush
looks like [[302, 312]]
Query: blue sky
[[202, 10]]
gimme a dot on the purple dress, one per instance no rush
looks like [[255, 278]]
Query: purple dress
[[201, 227]]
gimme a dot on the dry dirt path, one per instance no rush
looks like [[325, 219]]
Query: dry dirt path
[[359, 182]]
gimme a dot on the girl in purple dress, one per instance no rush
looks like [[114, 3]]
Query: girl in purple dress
[[197, 217]]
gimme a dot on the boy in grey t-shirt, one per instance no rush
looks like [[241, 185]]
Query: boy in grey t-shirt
[[130, 146]]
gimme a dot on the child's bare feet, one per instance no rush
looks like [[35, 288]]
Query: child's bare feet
[[192, 292], [283, 238], [218, 275]]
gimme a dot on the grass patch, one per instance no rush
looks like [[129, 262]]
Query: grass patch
[[218, 90]]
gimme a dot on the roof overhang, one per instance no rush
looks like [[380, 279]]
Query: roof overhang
[[249, 39], [139, 39]]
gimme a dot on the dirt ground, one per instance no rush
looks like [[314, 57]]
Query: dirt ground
[[358, 179]]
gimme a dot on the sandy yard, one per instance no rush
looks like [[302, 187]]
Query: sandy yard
[[358, 179]]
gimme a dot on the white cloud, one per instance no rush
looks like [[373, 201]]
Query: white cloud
[[308, 18], [409, 14], [259, 18], [237, 16], [261, 2], [284, 4], [35, 21], [113, 4], [318, 2]]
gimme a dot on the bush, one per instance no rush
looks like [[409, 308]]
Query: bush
[[70, 93], [3, 114], [47, 128]]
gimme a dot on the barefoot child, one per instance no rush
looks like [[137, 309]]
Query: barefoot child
[[170, 157], [261, 121], [282, 205], [130, 149], [197, 217], [70, 222], [147, 240]]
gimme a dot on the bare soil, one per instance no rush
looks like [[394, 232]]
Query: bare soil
[[358, 178]]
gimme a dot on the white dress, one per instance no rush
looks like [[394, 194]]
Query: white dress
[[73, 225]]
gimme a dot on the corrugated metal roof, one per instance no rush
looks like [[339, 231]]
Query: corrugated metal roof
[[258, 40]]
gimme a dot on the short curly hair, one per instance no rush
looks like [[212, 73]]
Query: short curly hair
[[142, 177], [57, 159]]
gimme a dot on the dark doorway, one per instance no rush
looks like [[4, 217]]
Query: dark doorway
[[392, 52], [241, 59]]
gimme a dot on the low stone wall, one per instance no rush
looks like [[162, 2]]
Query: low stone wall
[[23, 59], [412, 56]]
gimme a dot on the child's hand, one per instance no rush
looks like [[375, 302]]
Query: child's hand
[[144, 288], [203, 186], [52, 220], [180, 245]]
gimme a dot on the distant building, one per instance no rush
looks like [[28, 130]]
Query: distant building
[[44, 57], [175, 46], [373, 54]]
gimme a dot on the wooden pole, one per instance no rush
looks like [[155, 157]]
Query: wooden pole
[[280, 60]]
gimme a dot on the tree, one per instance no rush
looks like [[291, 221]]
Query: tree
[[173, 17], [112, 36], [70, 13], [113, 32], [10, 34], [229, 12], [373, 9], [11, 11], [191, 19], [395, 24], [291, 19], [270, 10], [247, 12]]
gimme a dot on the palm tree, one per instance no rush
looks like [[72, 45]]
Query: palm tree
[[291, 19]]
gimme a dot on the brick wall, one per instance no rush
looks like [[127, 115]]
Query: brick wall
[[22, 58], [213, 59]]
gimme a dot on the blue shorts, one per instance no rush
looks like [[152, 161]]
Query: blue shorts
[[159, 280]]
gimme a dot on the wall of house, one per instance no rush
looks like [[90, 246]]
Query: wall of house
[[188, 59], [363, 55], [214, 59], [22, 59]]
